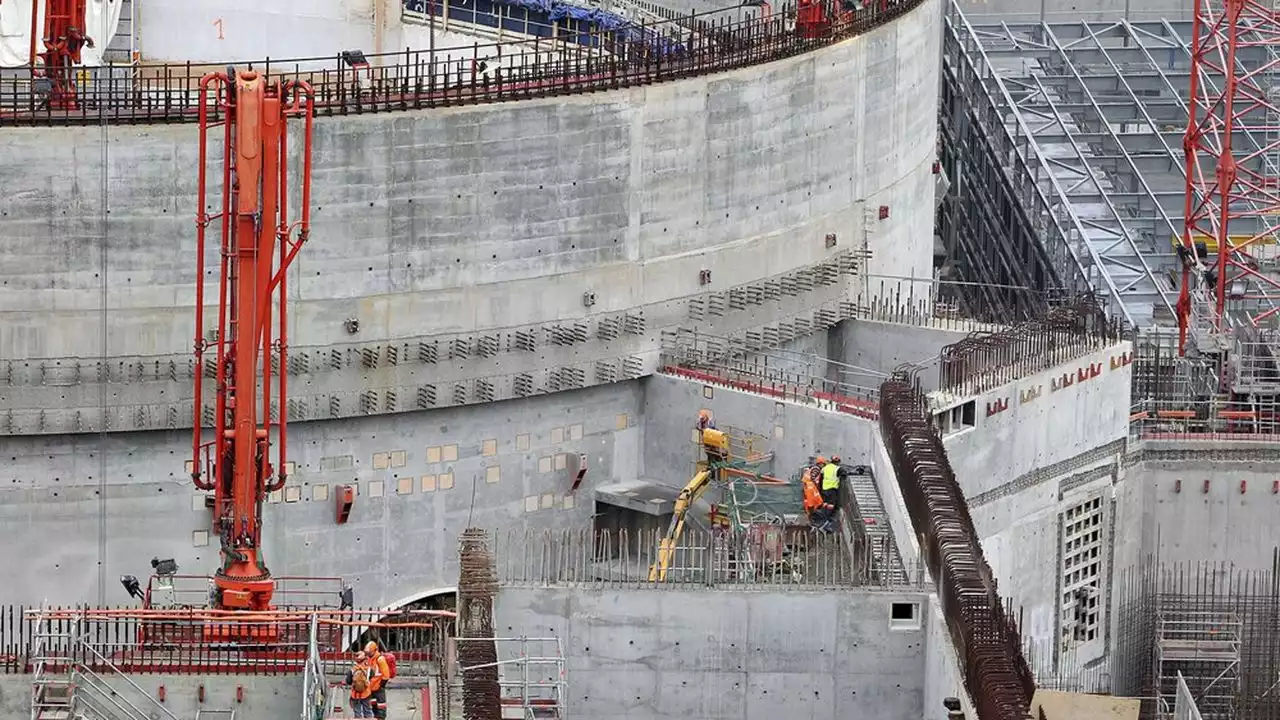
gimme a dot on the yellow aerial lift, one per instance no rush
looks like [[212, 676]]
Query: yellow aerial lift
[[716, 444]]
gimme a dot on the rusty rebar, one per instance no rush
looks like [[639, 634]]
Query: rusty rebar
[[477, 652], [995, 672], [987, 359]]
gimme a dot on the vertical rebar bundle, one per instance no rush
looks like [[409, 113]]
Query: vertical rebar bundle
[[996, 673], [477, 653]]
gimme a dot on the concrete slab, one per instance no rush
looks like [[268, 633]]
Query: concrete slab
[[646, 496]]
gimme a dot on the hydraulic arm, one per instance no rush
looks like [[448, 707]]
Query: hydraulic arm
[[258, 242], [716, 445]]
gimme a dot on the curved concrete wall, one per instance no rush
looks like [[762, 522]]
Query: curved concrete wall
[[464, 240]]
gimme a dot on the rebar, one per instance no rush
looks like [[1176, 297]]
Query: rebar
[[986, 360], [995, 671], [477, 653], [603, 59]]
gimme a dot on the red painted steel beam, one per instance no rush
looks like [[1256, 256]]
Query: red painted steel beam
[[1232, 197]]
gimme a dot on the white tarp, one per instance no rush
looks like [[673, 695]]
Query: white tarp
[[101, 18]]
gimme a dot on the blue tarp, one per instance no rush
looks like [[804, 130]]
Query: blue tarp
[[597, 20]]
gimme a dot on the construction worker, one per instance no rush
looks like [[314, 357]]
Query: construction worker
[[705, 421], [831, 481], [809, 478], [831, 485], [358, 680], [820, 517], [378, 675]]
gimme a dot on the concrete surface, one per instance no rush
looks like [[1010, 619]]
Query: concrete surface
[[698, 655], [1058, 705], [435, 472], [876, 348], [792, 432], [475, 225], [1233, 520], [1038, 448]]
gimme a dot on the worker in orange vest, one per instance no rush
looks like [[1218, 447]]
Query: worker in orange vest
[[358, 679], [818, 510], [379, 673]]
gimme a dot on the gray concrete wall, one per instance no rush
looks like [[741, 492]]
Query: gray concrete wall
[[422, 477], [697, 655], [1226, 523], [793, 432], [876, 348], [1053, 447], [481, 225]]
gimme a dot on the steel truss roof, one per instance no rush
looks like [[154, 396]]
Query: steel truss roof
[[1096, 112]]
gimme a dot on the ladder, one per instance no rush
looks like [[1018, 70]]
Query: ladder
[[885, 559], [52, 658]]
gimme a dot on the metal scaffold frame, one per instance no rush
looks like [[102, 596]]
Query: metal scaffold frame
[[1202, 650]]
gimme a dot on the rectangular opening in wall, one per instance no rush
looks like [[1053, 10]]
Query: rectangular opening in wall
[[1082, 553], [904, 616], [958, 418]]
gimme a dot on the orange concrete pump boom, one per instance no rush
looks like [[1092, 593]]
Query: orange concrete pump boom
[[258, 243]]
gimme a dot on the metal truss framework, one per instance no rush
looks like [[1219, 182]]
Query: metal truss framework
[[1232, 194], [1089, 119]]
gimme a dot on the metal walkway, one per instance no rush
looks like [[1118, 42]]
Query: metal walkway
[[886, 561]]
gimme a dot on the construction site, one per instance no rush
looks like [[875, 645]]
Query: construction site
[[548, 359]]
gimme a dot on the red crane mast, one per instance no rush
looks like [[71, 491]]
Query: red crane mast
[[1232, 147], [258, 243]]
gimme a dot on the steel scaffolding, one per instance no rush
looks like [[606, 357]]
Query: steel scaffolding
[[1202, 649]]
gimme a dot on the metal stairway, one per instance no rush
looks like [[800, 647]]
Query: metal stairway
[[885, 558], [68, 682]]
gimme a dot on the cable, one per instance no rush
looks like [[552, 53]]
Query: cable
[[102, 376]]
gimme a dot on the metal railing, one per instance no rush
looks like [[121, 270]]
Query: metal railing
[[1211, 419], [792, 558], [782, 384], [440, 77], [158, 641]]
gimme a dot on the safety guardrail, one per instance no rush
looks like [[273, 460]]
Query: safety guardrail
[[1204, 420], [439, 77], [171, 641]]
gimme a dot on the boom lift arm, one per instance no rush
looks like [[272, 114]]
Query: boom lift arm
[[716, 444], [258, 243]]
